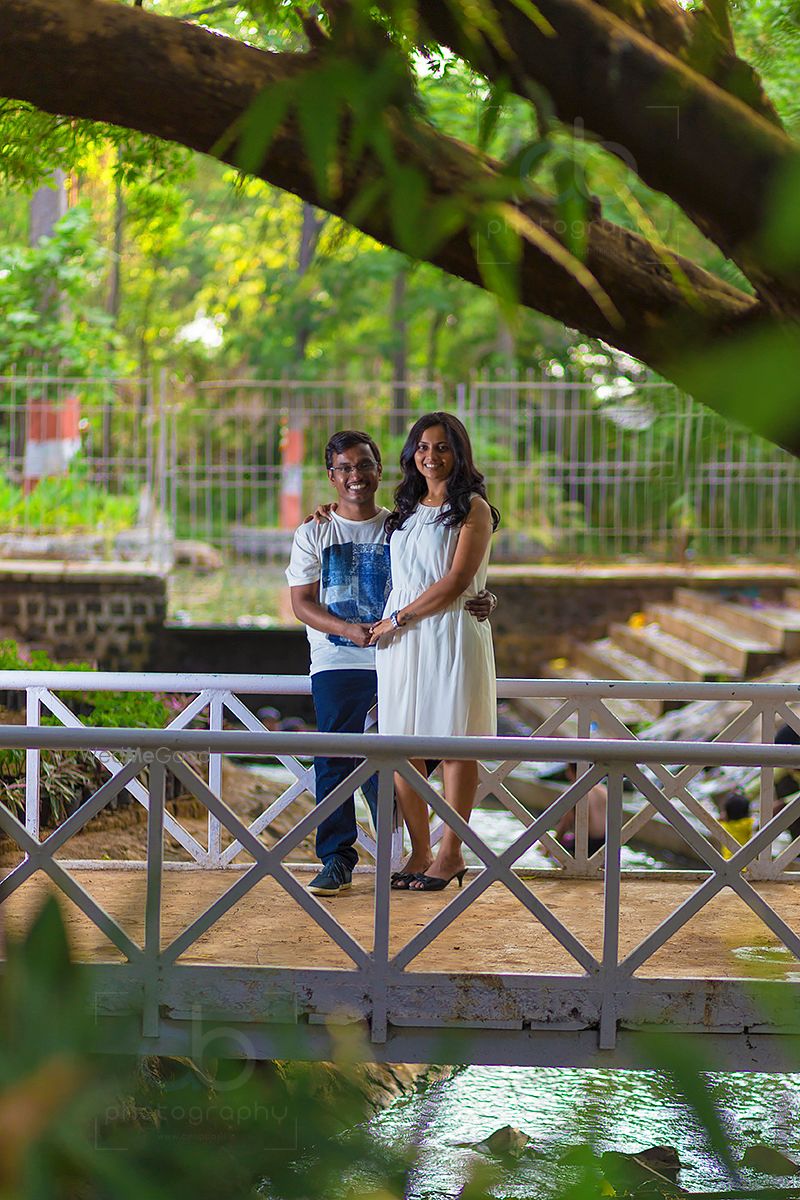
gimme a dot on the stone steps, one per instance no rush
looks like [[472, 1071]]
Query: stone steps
[[537, 709], [775, 625], [701, 636], [605, 659], [676, 658], [744, 652]]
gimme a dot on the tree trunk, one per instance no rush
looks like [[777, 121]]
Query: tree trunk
[[398, 325], [111, 62], [310, 231], [48, 205], [114, 294]]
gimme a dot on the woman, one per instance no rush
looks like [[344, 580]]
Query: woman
[[435, 662]]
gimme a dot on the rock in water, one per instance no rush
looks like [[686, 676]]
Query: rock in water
[[658, 1165], [506, 1142], [663, 1159], [770, 1162]]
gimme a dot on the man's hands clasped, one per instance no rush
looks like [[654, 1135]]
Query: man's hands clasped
[[482, 606]]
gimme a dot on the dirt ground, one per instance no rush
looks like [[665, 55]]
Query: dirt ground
[[121, 834], [495, 933]]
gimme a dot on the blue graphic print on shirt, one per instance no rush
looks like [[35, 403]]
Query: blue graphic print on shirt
[[355, 583]]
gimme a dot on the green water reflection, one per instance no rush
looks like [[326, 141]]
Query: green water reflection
[[562, 1108]]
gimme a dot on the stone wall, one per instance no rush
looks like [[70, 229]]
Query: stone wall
[[114, 615], [235, 650], [542, 611], [107, 614]]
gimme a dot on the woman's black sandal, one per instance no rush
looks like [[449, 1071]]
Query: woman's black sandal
[[401, 880], [432, 883]]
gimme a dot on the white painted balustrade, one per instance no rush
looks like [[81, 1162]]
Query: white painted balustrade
[[406, 1011]]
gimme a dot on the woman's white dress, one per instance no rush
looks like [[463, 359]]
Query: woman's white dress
[[436, 675]]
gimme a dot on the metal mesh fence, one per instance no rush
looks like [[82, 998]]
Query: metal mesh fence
[[575, 470]]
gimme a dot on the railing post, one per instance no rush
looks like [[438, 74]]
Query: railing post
[[611, 896], [152, 912], [761, 868], [216, 713], [581, 851], [33, 710], [383, 868]]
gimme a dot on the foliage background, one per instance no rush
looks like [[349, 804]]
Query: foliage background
[[219, 272]]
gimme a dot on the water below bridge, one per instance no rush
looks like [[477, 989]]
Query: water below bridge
[[561, 1109]]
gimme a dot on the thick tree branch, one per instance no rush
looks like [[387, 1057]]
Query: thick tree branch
[[703, 39], [684, 136], [110, 62]]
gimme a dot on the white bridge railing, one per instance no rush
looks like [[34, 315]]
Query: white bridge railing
[[376, 988], [582, 710]]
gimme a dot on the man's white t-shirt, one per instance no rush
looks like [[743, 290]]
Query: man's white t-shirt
[[350, 559]]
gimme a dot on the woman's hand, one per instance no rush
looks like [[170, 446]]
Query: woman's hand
[[322, 513], [359, 634], [380, 629]]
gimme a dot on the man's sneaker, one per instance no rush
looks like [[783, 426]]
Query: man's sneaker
[[334, 877]]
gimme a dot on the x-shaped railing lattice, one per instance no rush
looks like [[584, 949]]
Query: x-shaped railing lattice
[[592, 713], [217, 701], [586, 704], [380, 968]]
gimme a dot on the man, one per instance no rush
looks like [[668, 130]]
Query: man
[[597, 798], [339, 580]]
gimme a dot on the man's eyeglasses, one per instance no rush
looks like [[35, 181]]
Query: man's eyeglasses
[[367, 466]]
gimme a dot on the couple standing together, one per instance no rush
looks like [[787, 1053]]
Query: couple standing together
[[395, 602]]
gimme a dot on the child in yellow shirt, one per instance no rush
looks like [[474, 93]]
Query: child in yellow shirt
[[736, 820]]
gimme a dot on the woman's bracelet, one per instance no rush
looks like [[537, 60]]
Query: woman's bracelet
[[395, 619]]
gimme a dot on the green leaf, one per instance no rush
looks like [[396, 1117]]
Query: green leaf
[[407, 201], [550, 246], [258, 127], [365, 200], [762, 368], [491, 111], [529, 9], [780, 235], [498, 250], [683, 1061], [572, 204], [319, 106]]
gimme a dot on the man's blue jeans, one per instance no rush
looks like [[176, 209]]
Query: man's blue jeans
[[342, 700]]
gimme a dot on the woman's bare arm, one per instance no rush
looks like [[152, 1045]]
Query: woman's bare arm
[[473, 539]]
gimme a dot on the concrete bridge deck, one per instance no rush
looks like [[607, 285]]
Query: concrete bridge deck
[[494, 987], [726, 940]]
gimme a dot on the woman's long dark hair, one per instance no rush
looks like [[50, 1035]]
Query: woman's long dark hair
[[464, 481]]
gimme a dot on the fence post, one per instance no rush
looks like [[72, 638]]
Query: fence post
[[160, 496], [33, 709], [216, 714], [383, 866], [761, 867], [152, 919], [611, 894]]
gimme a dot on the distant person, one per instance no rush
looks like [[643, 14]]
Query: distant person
[[292, 725], [597, 798], [785, 780], [339, 580], [736, 820], [270, 718]]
